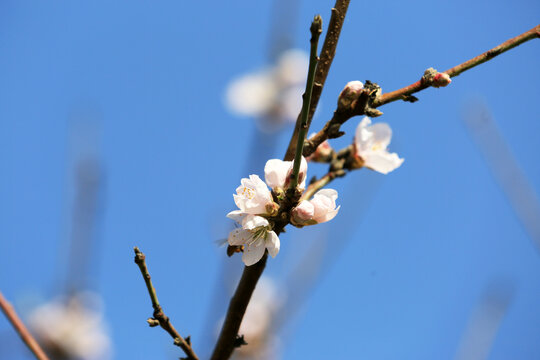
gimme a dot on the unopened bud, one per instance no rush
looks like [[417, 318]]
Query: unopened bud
[[323, 153], [272, 208], [303, 214], [441, 80], [349, 95], [436, 79]]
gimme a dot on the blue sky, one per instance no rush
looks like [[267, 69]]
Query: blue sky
[[411, 254]]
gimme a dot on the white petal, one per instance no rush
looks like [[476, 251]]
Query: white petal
[[302, 173], [253, 253], [324, 203], [304, 211], [272, 243], [362, 136], [275, 173], [383, 162], [381, 134], [252, 195], [251, 222], [239, 237], [237, 215]]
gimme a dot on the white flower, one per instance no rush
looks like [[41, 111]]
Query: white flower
[[72, 328], [370, 142], [253, 196], [256, 235], [277, 172], [324, 205], [274, 92], [321, 208]]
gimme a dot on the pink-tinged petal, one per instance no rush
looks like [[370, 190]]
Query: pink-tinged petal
[[237, 215], [302, 175], [239, 237], [272, 243], [383, 162], [251, 222], [324, 203], [253, 253], [303, 212]]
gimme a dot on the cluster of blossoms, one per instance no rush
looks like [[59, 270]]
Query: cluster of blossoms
[[260, 208], [257, 208]]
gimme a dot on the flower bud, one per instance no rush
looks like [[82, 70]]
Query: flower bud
[[303, 214], [349, 95], [441, 80]]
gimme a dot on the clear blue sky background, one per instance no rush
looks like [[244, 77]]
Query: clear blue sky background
[[424, 243]]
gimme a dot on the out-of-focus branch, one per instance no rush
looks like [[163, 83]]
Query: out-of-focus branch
[[21, 329], [159, 317], [328, 52], [404, 93]]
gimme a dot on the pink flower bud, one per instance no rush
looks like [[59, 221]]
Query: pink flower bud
[[303, 213], [441, 80], [349, 95]]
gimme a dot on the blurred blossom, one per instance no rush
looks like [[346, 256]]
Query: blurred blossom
[[371, 143], [257, 325], [273, 93], [72, 328]]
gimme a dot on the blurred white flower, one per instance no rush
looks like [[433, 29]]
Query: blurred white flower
[[71, 328], [257, 325], [274, 92], [255, 235], [370, 144], [277, 172]]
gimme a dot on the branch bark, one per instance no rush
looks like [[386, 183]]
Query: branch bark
[[328, 52], [21, 329], [159, 317]]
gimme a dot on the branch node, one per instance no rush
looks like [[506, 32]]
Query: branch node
[[152, 322]]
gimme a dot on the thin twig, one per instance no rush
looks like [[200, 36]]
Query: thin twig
[[328, 52], [366, 106], [21, 329], [303, 126], [403, 93], [159, 317]]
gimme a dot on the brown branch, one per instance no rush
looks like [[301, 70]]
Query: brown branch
[[367, 105], [405, 92], [159, 317], [237, 307], [328, 52], [21, 329]]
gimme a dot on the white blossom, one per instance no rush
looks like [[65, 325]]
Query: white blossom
[[72, 328], [255, 235], [320, 209], [277, 172], [253, 196], [274, 92], [371, 142]]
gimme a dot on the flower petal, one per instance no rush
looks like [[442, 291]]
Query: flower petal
[[275, 173], [251, 222], [239, 237], [383, 162], [237, 215], [253, 253], [272, 243], [381, 135]]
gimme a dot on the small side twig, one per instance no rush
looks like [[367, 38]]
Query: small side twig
[[159, 317], [303, 123], [328, 52], [404, 93], [21, 329], [367, 103]]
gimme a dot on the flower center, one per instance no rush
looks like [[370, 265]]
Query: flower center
[[377, 147], [248, 192]]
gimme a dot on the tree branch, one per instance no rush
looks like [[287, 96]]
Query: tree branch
[[367, 104], [159, 317], [21, 329], [328, 52], [420, 85]]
